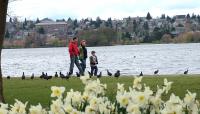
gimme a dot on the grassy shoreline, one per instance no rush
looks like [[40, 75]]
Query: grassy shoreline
[[38, 90]]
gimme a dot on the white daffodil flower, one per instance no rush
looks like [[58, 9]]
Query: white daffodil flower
[[137, 83], [57, 91]]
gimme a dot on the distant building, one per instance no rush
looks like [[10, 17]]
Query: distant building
[[58, 29], [180, 20], [179, 24], [181, 17]]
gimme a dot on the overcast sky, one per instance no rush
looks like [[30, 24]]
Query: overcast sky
[[116, 9]]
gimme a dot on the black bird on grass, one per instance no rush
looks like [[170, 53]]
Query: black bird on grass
[[90, 74], [32, 76], [62, 75], [99, 75], [56, 75], [156, 72], [47, 77], [117, 74], [8, 77], [186, 72], [43, 75], [68, 76], [141, 74], [23, 76], [78, 74], [109, 73]]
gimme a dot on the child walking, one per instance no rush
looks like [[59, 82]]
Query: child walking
[[93, 63]]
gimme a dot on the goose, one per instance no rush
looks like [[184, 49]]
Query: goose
[[8, 77], [68, 76], [56, 75], [62, 75], [78, 74], [23, 76], [47, 77], [186, 72], [90, 74], [109, 73], [117, 74], [99, 75], [32, 76], [141, 74], [156, 72], [43, 75]]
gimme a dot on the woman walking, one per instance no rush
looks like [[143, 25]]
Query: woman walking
[[83, 54]]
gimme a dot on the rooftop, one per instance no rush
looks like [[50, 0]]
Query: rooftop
[[51, 23], [180, 16]]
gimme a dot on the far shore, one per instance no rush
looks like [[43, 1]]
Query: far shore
[[100, 46]]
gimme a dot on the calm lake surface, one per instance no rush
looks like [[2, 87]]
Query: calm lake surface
[[129, 59]]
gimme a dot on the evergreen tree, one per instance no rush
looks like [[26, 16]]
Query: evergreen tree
[[37, 21], [69, 19], [194, 16], [148, 16], [188, 16], [135, 27], [92, 22], [129, 18], [146, 32], [25, 22], [198, 18], [109, 23], [162, 16], [168, 19], [98, 22], [75, 23]]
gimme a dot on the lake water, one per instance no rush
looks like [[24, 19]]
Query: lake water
[[129, 59]]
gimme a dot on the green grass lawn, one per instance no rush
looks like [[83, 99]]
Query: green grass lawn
[[38, 90]]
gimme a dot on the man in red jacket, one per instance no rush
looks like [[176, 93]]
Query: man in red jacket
[[74, 53]]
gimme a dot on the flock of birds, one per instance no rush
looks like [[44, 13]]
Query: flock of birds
[[67, 76], [156, 72]]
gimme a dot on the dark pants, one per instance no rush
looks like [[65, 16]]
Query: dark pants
[[83, 64], [74, 59], [94, 70]]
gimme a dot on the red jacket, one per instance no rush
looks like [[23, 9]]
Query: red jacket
[[73, 49]]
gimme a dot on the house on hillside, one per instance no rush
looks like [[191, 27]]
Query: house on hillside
[[180, 20], [58, 29], [179, 24]]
